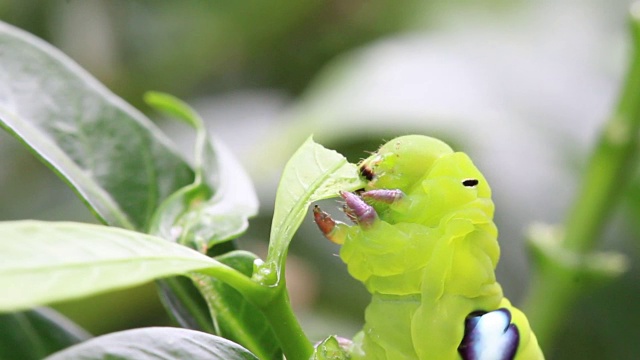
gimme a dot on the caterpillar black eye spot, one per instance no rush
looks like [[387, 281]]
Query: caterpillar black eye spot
[[367, 173], [470, 182]]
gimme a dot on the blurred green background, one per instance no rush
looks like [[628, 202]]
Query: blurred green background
[[521, 86]]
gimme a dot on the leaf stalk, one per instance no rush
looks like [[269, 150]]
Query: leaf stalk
[[555, 287]]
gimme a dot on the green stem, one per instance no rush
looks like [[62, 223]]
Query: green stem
[[608, 170], [274, 302], [554, 291], [279, 313], [252, 291]]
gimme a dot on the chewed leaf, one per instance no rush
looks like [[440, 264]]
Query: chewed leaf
[[156, 344], [61, 261], [313, 173], [112, 156]]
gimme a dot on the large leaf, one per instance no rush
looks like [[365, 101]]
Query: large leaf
[[59, 261], [34, 334], [156, 344], [110, 154], [233, 316], [313, 173]]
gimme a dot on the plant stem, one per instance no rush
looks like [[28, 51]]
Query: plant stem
[[285, 325], [608, 171], [254, 292], [274, 303]]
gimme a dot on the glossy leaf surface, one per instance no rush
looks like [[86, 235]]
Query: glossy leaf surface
[[34, 334], [313, 173], [156, 344], [60, 261], [115, 159]]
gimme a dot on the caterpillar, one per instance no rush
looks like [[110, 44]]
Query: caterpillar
[[425, 246]]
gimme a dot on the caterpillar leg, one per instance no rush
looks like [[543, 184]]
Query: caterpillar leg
[[490, 335], [387, 196], [330, 228], [356, 209]]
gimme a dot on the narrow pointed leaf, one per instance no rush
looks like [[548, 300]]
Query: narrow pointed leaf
[[156, 344], [61, 261], [34, 334], [216, 207], [174, 107], [200, 217], [115, 159]]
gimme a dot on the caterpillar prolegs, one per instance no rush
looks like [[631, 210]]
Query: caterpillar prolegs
[[425, 246]]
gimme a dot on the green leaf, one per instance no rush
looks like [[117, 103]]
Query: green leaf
[[200, 217], [61, 261], [216, 207], [115, 159], [174, 107], [156, 344], [34, 334], [313, 173], [551, 257], [234, 317], [185, 304]]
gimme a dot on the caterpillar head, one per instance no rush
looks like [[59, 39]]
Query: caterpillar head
[[449, 179], [403, 161]]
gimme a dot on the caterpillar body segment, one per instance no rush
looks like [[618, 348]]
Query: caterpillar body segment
[[425, 246]]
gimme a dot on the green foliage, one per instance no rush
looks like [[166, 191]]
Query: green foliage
[[34, 334], [216, 206], [74, 260], [62, 114], [180, 218], [156, 344], [313, 173], [233, 317], [570, 266], [212, 210]]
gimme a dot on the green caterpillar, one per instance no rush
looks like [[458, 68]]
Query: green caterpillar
[[426, 248]]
